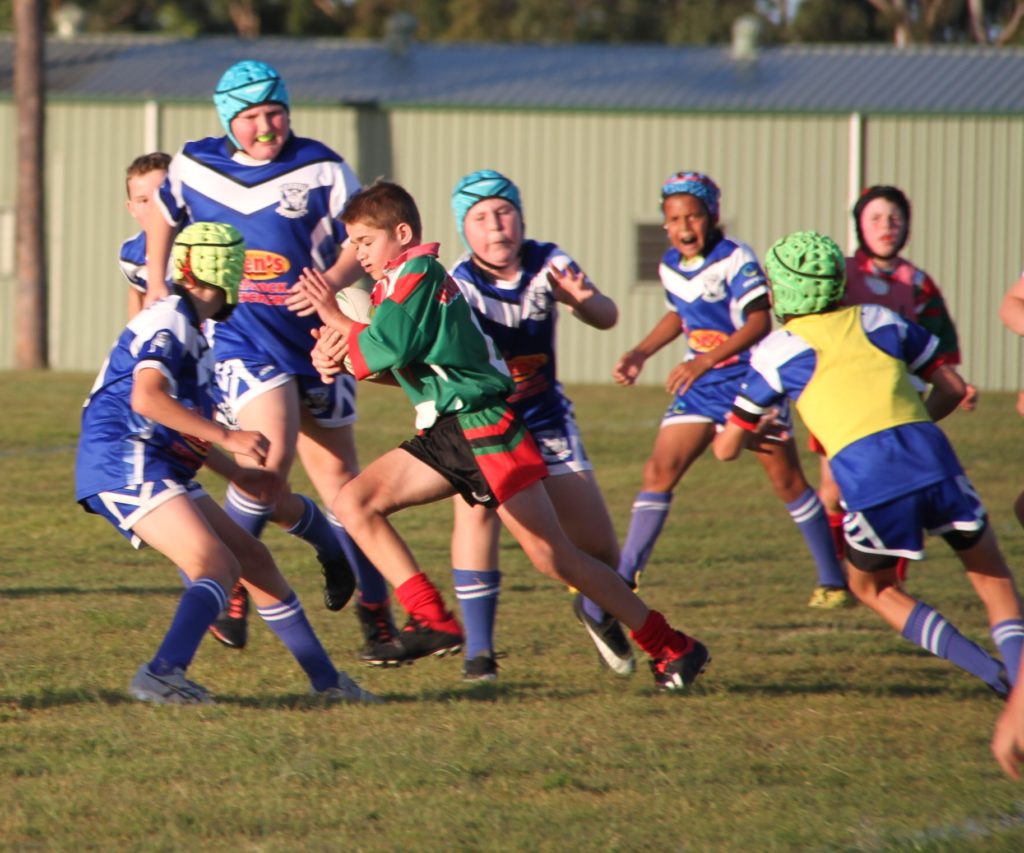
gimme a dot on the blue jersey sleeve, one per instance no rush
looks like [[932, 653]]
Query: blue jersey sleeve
[[901, 339], [780, 368], [747, 282]]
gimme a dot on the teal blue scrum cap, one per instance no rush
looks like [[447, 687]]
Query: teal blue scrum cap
[[247, 84], [477, 186]]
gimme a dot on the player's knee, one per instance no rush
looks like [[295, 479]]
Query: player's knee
[[353, 504]]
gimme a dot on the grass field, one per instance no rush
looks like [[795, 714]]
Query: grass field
[[810, 731]]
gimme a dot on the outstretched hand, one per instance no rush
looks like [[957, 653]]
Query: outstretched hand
[[313, 294], [569, 286], [628, 367]]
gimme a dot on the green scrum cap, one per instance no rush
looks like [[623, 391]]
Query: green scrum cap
[[211, 253], [807, 271]]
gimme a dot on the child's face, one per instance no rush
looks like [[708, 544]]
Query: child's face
[[883, 226], [141, 190], [376, 246], [687, 224], [262, 130], [494, 231]]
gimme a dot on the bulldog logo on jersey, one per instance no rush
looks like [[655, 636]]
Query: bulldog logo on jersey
[[294, 200], [714, 287]]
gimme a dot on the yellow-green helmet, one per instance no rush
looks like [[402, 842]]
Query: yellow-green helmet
[[807, 271], [212, 253]]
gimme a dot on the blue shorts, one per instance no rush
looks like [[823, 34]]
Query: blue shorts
[[711, 401], [561, 447], [897, 528], [241, 380], [125, 507]]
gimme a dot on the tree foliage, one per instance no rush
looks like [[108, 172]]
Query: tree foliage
[[545, 21]]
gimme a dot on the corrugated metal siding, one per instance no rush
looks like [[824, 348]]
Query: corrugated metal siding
[[8, 191], [587, 180], [965, 180], [88, 149]]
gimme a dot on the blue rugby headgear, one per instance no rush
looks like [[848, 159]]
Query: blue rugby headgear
[[247, 84], [696, 184], [477, 186]]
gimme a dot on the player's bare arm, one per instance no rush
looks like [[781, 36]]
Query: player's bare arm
[[948, 389], [572, 288], [683, 375], [1011, 312], [159, 234], [629, 365], [151, 399]]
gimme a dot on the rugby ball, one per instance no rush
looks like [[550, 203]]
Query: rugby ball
[[355, 304]]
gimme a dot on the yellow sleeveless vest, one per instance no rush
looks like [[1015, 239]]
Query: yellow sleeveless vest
[[857, 389]]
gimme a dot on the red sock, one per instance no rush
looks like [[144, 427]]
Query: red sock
[[420, 598], [659, 639], [835, 526]]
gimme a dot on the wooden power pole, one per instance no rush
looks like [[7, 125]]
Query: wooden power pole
[[30, 315]]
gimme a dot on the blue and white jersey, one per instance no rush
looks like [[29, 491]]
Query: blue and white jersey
[[520, 317], [286, 209], [847, 372], [118, 447], [132, 261], [711, 294]]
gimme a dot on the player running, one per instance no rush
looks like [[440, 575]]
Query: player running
[[515, 286], [146, 430], [283, 193], [717, 298]]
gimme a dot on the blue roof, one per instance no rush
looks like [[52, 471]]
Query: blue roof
[[846, 78]]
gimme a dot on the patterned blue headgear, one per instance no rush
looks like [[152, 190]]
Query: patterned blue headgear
[[695, 184], [477, 186], [247, 84]]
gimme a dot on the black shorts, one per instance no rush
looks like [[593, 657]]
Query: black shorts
[[487, 456]]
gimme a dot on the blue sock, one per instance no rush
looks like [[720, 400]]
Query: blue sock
[[315, 529], [477, 593], [373, 589], [288, 620], [1009, 637], [930, 630], [650, 509], [198, 606], [809, 515], [248, 514]]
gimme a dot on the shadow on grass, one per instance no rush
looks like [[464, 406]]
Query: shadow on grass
[[838, 688], [41, 591], [481, 692]]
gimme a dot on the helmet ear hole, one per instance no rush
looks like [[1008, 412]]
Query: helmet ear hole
[[210, 253], [807, 271]]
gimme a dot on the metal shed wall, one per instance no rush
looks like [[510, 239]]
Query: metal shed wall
[[965, 179], [588, 179]]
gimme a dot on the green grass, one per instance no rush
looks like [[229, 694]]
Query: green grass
[[811, 731]]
